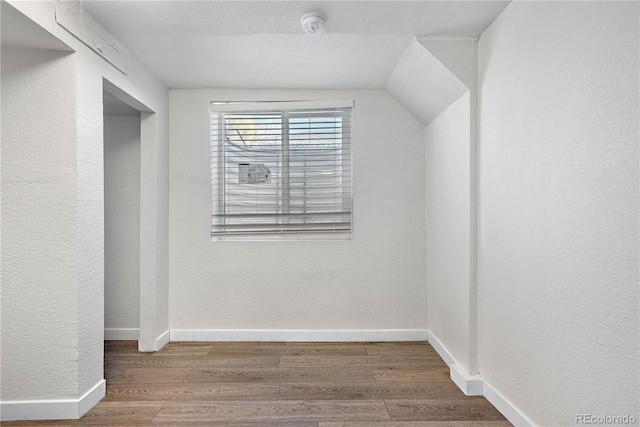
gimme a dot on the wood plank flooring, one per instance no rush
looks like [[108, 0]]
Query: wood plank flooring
[[283, 385]]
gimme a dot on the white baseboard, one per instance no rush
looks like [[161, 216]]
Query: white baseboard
[[300, 336], [162, 340], [505, 407], [471, 385], [63, 409], [92, 397], [441, 350], [127, 334], [474, 385]]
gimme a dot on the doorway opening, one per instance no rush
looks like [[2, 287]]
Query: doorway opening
[[122, 124]]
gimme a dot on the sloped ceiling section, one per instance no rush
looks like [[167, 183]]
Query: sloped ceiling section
[[460, 56], [423, 85]]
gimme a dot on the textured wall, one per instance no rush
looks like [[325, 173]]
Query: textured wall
[[558, 303], [447, 228], [39, 283], [86, 221], [122, 221], [374, 282]]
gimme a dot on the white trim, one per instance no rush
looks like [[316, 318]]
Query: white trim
[[302, 335], [510, 412], [474, 385], [162, 340], [441, 350], [92, 397], [63, 409], [128, 334], [471, 385]]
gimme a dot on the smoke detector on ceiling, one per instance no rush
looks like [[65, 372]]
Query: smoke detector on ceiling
[[313, 23]]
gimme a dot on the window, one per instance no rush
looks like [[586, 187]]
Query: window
[[281, 169]]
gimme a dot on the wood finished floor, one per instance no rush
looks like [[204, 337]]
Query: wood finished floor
[[284, 385]]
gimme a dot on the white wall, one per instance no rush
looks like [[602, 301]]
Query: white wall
[[81, 305], [122, 223], [447, 210], [39, 180], [373, 283], [422, 83], [558, 208]]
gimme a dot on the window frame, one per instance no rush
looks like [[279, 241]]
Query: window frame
[[286, 109]]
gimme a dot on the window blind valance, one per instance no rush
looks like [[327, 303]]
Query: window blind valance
[[243, 106], [281, 171]]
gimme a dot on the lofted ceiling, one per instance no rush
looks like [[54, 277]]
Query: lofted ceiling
[[261, 44]]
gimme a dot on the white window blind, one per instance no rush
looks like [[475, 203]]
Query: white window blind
[[281, 169]]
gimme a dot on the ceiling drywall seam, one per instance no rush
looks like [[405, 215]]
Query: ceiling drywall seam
[[422, 84], [83, 27]]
